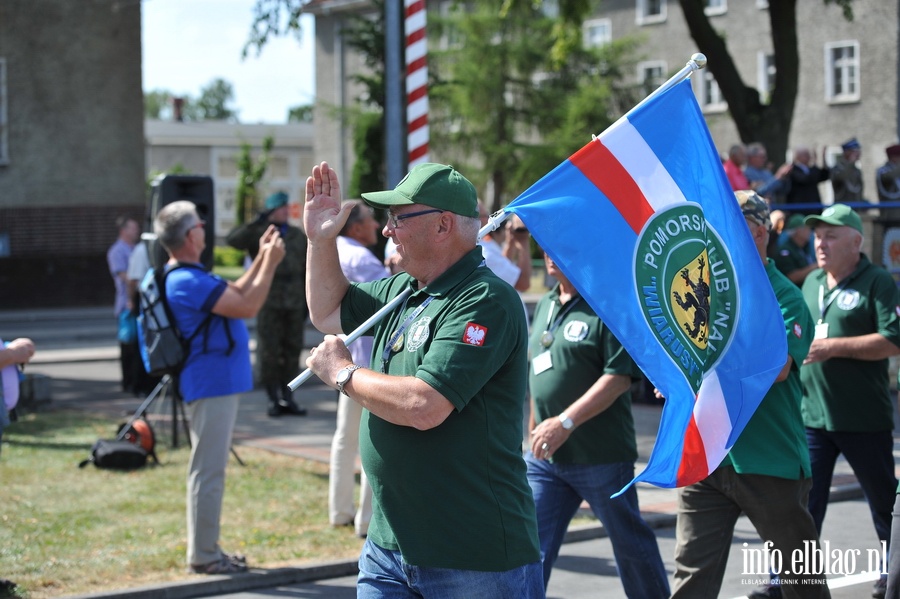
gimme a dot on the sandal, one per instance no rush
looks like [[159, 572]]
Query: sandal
[[224, 565]]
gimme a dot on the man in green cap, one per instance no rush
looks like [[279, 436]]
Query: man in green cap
[[441, 430], [846, 391], [280, 323]]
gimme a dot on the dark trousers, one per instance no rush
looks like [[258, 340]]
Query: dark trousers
[[279, 335], [708, 512], [871, 456]]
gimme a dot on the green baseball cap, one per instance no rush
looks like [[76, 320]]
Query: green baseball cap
[[839, 215], [436, 185], [795, 222]]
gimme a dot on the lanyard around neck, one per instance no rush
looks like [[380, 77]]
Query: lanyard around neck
[[548, 334], [389, 347]]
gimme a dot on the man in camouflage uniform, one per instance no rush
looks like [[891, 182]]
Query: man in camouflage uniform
[[846, 178], [280, 323]]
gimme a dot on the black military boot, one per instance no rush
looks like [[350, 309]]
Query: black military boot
[[287, 404], [274, 402]]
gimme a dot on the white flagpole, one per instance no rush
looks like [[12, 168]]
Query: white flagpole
[[697, 62]]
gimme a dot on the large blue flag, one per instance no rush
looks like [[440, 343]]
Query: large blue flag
[[643, 222]]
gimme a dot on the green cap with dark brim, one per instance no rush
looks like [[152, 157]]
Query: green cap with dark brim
[[430, 184], [839, 215]]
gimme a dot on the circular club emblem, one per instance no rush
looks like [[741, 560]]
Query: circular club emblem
[[418, 334], [575, 331], [686, 285], [848, 299]]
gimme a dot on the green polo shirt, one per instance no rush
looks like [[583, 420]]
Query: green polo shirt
[[774, 441], [454, 496], [583, 350], [843, 394], [791, 257]]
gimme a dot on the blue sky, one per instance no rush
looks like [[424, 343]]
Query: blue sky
[[188, 43]]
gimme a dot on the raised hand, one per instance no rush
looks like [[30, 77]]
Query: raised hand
[[272, 243], [323, 217]]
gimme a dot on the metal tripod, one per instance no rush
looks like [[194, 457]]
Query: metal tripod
[[161, 390]]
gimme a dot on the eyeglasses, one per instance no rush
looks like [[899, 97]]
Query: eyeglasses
[[395, 219], [197, 225]]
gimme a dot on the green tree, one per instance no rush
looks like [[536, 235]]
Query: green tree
[[515, 92], [212, 104], [273, 18], [365, 34], [157, 103], [214, 100], [769, 123], [250, 174], [301, 114]]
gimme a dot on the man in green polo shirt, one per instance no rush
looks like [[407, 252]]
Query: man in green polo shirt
[[441, 432], [582, 436], [766, 475], [794, 257], [846, 393]]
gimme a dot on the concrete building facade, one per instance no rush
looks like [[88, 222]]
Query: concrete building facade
[[71, 146], [213, 148]]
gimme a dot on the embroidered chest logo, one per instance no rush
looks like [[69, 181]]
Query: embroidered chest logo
[[848, 299], [418, 334], [575, 331], [475, 334]]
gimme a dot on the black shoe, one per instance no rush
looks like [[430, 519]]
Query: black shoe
[[274, 410], [290, 408], [287, 404], [880, 588]]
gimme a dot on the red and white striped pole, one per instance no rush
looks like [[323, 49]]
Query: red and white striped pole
[[416, 83]]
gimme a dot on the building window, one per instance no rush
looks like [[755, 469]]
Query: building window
[[842, 72], [709, 94], [715, 7], [651, 11], [765, 75], [651, 74], [550, 8], [596, 32], [450, 37], [4, 153]]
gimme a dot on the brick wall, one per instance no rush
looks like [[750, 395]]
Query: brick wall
[[64, 264]]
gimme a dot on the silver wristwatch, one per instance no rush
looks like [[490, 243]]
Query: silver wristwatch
[[566, 421], [343, 376]]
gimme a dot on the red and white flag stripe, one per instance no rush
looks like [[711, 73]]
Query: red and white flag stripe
[[416, 83]]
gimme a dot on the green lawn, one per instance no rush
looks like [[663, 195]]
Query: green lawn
[[67, 530]]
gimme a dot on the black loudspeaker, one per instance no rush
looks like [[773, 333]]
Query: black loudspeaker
[[193, 188]]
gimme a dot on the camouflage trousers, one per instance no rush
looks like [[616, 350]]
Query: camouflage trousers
[[279, 341]]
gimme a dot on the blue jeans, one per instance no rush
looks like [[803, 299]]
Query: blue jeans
[[384, 574], [871, 455], [558, 492]]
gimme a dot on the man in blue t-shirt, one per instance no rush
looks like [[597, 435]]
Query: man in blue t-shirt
[[217, 368]]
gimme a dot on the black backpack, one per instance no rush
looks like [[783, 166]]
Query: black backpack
[[134, 442], [163, 348]]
